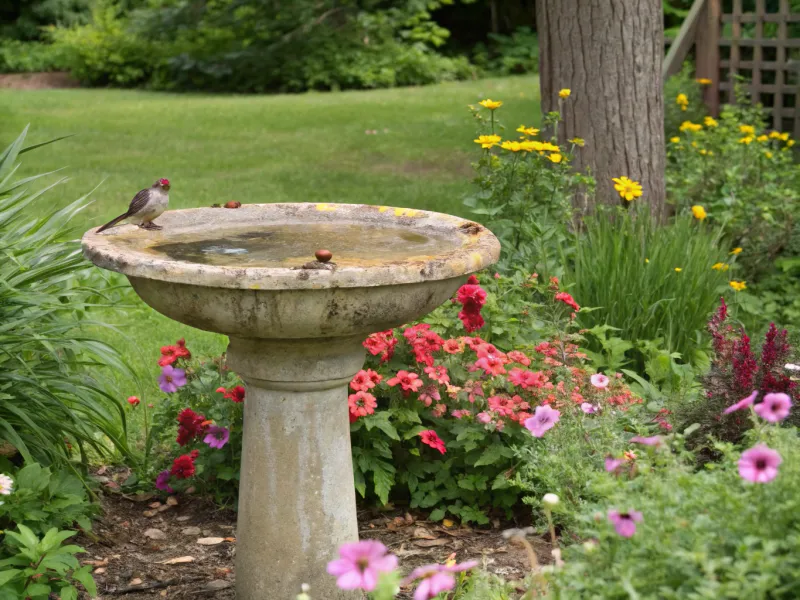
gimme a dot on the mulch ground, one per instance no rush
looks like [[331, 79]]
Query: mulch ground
[[37, 81], [157, 547]]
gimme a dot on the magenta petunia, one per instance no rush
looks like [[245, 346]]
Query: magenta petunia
[[171, 379], [543, 419], [625, 522], [743, 403], [774, 407], [589, 409], [360, 563], [217, 436], [162, 482], [435, 579], [653, 440], [612, 464], [759, 464], [599, 381]]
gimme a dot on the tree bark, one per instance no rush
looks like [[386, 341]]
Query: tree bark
[[609, 53]]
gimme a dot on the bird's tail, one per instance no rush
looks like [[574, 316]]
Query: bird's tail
[[113, 222]]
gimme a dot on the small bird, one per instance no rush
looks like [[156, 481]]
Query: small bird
[[146, 206]]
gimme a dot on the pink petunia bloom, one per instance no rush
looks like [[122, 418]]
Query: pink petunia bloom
[[429, 394], [484, 417], [452, 346], [589, 409], [361, 404], [359, 565], [435, 579], [654, 440], [775, 407], [612, 464], [625, 523], [460, 414], [362, 382], [543, 419], [410, 382], [744, 403], [217, 436], [599, 381], [430, 438], [519, 357], [491, 364], [133, 401], [439, 410], [759, 464], [438, 374]]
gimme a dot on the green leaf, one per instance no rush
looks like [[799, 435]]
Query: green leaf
[[491, 455], [25, 537], [68, 593], [84, 576], [53, 539], [37, 589], [7, 576], [437, 515]]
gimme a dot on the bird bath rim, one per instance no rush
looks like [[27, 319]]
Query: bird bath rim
[[129, 250]]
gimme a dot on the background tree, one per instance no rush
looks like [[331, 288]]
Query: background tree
[[609, 53]]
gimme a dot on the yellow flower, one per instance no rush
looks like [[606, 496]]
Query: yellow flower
[[736, 251], [720, 266], [527, 130], [627, 188], [747, 129], [699, 212], [762, 138], [703, 151], [682, 100], [647, 261], [487, 141], [548, 147], [768, 154], [784, 137], [675, 140], [555, 157], [790, 143], [694, 144], [746, 140], [678, 269], [531, 145], [513, 146], [703, 81], [490, 104], [775, 135], [689, 126], [564, 93], [711, 153], [710, 122], [738, 285], [578, 141]]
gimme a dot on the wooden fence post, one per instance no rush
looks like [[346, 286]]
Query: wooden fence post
[[707, 51]]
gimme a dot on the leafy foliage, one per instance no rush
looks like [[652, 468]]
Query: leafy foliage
[[29, 57]]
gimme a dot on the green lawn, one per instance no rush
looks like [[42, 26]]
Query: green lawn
[[309, 147]]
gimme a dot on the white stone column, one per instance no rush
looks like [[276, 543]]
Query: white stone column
[[297, 500]]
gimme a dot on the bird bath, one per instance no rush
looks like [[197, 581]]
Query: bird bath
[[296, 328]]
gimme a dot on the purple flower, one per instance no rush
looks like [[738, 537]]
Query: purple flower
[[612, 464], [625, 523], [654, 440], [589, 409], [217, 436], [775, 407], [744, 403], [359, 565], [599, 381], [543, 418], [162, 482], [171, 379], [759, 464], [435, 579]]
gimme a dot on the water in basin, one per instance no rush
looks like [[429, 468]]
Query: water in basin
[[290, 245]]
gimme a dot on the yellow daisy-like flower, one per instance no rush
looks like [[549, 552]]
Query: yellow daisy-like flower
[[736, 251], [738, 285], [627, 188], [548, 147], [487, 141], [703, 151], [746, 140], [675, 140], [710, 122], [564, 93], [762, 138], [578, 141], [513, 146], [678, 269], [768, 154], [647, 261], [703, 81], [555, 157], [699, 212], [789, 143], [531, 145], [694, 144], [747, 129], [682, 100], [775, 135], [689, 126], [491, 104], [720, 266], [784, 137], [527, 130]]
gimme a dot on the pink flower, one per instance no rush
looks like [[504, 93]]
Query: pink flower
[[519, 357], [484, 417], [589, 409], [410, 382], [744, 403], [429, 394], [133, 401], [162, 482], [774, 407], [654, 440], [625, 523], [566, 299], [361, 404], [491, 364], [430, 438], [435, 579], [759, 464], [359, 565], [612, 464], [543, 419], [438, 374], [363, 382], [171, 379], [216, 436], [599, 381], [460, 414], [452, 346]]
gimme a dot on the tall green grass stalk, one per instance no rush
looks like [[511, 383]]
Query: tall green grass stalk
[[651, 281]]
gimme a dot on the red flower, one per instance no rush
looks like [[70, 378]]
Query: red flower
[[362, 404], [568, 300], [472, 298], [194, 454], [430, 438], [453, 346], [183, 467], [473, 280], [191, 425], [410, 382], [491, 364], [181, 349], [169, 354], [472, 320], [235, 394], [133, 401], [382, 343], [471, 294], [438, 374], [519, 357]]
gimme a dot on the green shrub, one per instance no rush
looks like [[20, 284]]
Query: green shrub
[[49, 406], [513, 54], [29, 57]]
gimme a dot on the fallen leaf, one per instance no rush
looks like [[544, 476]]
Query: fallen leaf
[[183, 518], [96, 563], [150, 513], [172, 501], [447, 523], [431, 543], [112, 485], [409, 518], [135, 581], [191, 531], [423, 534], [140, 497], [210, 541], [180, 560], [155, 534], [217, 584], [99, 571], [102, 470], [155, 504], [396, 523], [232, 540], [163, 594]]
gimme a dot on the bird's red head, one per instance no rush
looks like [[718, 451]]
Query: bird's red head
[[164, 183]]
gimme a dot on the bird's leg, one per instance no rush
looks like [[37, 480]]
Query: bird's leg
[[150, 225]]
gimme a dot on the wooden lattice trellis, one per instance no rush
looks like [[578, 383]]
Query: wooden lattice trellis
[[765, 56]]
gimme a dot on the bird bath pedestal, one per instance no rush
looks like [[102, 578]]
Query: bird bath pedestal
[[296, 328]]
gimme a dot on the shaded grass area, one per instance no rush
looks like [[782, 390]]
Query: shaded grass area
[[289, 148]]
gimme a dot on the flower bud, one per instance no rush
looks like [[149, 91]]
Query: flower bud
[[550, 500]]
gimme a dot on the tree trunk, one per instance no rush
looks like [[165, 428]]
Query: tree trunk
[[609, 53]]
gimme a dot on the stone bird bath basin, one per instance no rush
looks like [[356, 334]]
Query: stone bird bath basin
[[296, 328]]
